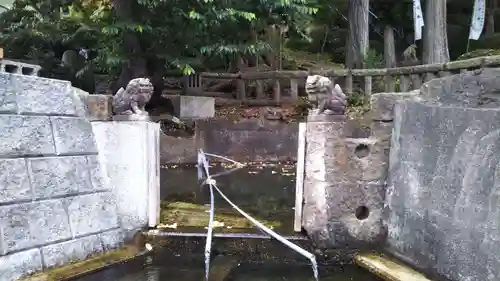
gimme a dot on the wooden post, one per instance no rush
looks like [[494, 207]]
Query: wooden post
[[294, 89], [389, 57], [299, 182], [368, 86]]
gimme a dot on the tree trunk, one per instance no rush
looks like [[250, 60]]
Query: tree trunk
[[357, 41], [389, 47], [435, 37], [136, 65], [492, 7]]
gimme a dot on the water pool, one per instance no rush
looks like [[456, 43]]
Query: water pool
[[163, 266]]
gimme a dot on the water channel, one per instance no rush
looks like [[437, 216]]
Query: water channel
[[264, 190]]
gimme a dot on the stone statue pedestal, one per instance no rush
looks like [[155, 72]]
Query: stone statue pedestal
[[131, 117], [313, 117]]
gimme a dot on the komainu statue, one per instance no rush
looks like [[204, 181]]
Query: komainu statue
[[329, 99], [131, 101]]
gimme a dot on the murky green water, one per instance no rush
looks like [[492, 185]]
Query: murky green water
[[164, 267], [264, 190]]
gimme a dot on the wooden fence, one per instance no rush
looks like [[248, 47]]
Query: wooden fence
[[400, 79]]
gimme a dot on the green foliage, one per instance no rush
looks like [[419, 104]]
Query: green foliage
[[373, 59]]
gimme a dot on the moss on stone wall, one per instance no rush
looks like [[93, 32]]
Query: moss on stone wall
[[83, 267]]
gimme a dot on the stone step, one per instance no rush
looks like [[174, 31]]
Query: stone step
[[388, 269]]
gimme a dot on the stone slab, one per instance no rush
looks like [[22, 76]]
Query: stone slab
[[349, 228], [73, 135], [98, 176], [382, 104], [36, 95], [322, 142], [193, 107], [113, 239], [357, 160], [388, 269], [14, 266], [14, 181], [132, 117], [25, 135], [91, 213], [129, 174], [28, 225], [7, 96], [477, 88], [65, 252], [443, 192], [59, 176]]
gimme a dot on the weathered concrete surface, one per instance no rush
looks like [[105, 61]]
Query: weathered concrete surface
[[193, 107], [128, 154], [338, 183], [443, 193], [54, 207], [246, 141]]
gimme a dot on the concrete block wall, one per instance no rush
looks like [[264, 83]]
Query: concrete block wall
[[54, 204]]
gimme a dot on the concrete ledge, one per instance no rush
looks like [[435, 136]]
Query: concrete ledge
[[84, 267], [387, 269]]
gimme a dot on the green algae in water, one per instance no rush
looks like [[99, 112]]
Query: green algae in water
[[84, 267], [189, 215]]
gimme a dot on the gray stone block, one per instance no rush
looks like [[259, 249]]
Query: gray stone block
[[7, 96], [13, 267], [382, 104], [382, 131], [25, 135], [193, 107], [355, 213], [112, 239], [31, 224], [478, 88], [91, 213], [359, 160], [57, 176], [65, 252], [73, 135], [36, 95], [443, 190], [14, 181], [98, 176]]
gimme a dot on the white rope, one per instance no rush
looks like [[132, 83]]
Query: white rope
[[208, 245], [213, 184]]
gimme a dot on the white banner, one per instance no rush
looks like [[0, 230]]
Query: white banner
[[477, 23], [418, 19]]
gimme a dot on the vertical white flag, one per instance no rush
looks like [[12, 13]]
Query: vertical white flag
[[477, 23], [418, 19]]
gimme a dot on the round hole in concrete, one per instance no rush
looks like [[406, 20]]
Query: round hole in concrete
[[362, 212], [362, 150]]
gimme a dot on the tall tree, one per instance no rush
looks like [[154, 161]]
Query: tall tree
[[358, 34], [490, 20], [435, 37]]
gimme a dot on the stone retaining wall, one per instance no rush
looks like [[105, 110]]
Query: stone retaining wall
[[443, 192], [55, 206]]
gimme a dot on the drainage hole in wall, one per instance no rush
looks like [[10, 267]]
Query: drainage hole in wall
[[362, 212], [362, 150]]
